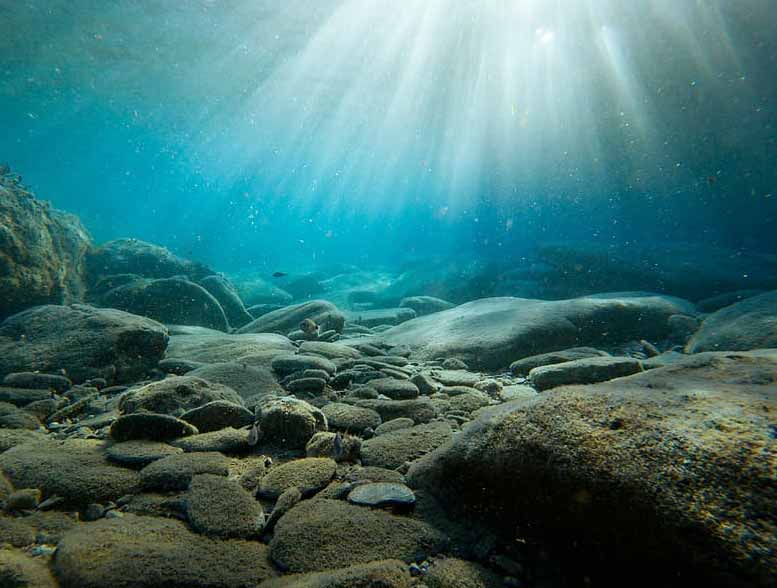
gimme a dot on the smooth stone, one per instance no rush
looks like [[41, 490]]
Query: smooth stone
[[590, 370], [395, 389], [517, 392], [219, 507], [455, 377], [226, 294], [420, 410], [715, 303], [288, 364], [284, 320], [306, 386], [228, 441], [247, 380], [149, 552], [523, 366], [134, 453], [309, 474], [218, 415], [175, 472], [176, 393], [151, 426], [423, 305], [391, 450], [379, 494], [393, 425], [381, 316], [353, 419], [425, 383], [38, 381], [319, 534], [208, 346], [330, 350]]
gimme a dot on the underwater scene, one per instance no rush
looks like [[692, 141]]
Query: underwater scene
[[372, 294]]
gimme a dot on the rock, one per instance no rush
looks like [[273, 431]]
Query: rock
[[458, 573], [219, 507], [374, 474], [391, 450], [24, 499], [139, 453], [260, 292], [682, 327], [84, 341], [311, 386], [517, 392], [423, 305], [42, 253], [148, 552], [282, 321], [318, 534], [286, 501], [229, 441], [425, 384], [453, 363], [223, 291], [469, 402], [19, 570], [353, 419], [455, 377], [395, 389], [175, 472], [715, 303], [151, 426], [750, 324], [394, 425], [13, 437], [74, 469], [16, 418], [178, 367], [303, 287], [490, 333], [309, 474], [522, 367], [38, 381], [176, 393], [248, 381], [379, 574], [323, 445], [257, 310], [381, 316], [218, 415], [670, 469], [290, 422], [420, 410], [329, 350], [23, 396], [214, 347], [170, 301], [380, 494], [284, 365], [590, 370]]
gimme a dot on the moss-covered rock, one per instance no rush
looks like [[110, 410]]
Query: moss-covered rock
[[19, 570], [289, 422], [420, 410], [393, 449], [353, 419], [218, 415], [140, 453], [458, 573], [308, 474], [176, 471], [151, 426], [220, 507], [176, 393], [379, 574], [228, 441]]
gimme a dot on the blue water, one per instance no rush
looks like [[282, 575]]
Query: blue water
[[285, 135]]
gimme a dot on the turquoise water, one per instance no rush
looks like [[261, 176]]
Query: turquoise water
[[274, 135]]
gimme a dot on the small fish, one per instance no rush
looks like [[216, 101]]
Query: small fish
[[338, 446], [253, 434], [279, 275]]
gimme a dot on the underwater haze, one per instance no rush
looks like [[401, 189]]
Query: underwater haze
[[388, 294]]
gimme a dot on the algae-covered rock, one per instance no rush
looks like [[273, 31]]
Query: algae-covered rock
[[420, 410], [379, 574], [175, 472], [218, 415], [149, 552], [287, 319], [226, 294], [671, 469], [350, 418], [176, 393], [290, 422], [219, 507], [320, 534], [247, 380], [451, 572], [308, 474], [151, 426], [589, 370], [393, 449], [140, 453], [84, 341], [19, 570]]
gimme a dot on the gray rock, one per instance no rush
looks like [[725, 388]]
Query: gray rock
[[290, 422], [381, 316], [23, 396], [139, 453], [151, 426], [38, 381], [170, 301], [223, 291], [379, 494], [491, 333], [329, 350], [393, 425], [420, 410], [282, 321], [178, 367], [682, 327], [109, 551], [229, 441], [523, 366], [221, 508], [715, 303], [323, 445], [391, 450], [248, 381], [353, 419], [84, 341], [590, 370], [176, 393], [218, 415], [318, 535], [455, 377], [425, 384], [395, 389], [288, 364], [213, 347], [423, 305], [306, 386], [309, 474], [175, 472], [750, 324]]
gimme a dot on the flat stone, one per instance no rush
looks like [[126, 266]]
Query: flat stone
[[215, 347], [380, 494], [523, 366], [395, 389], [425, 383], [247, 380], [323, 445], [288, 364], [220, 507], [455, 377], [391, 450], [590, 370], [309, 474], [346, 417], [22, 396], [290, 422], [38, 381], [374, 474], [306, 386], [393, 425], [229, 441], [286, 319], [218, 415], [421, 410], [178, 367], [423, 305], [151, 426], [139, 453], [175, 472], [13, 437], [329, 350], [176, 393]]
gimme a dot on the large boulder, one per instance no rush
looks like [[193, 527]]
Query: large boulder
[[493, 332], [670, 470], [84, 341], [132, 256], [223, 291], [169, 300], [749, 324], [254, 291], [42, 252], [208, 346], [247, 381], [425, 304], [287, 319]]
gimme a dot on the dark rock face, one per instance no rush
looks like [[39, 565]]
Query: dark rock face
[[169, 300], [287, 319], [84, 341], [132, 256], [670, 468], [42, 252]]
